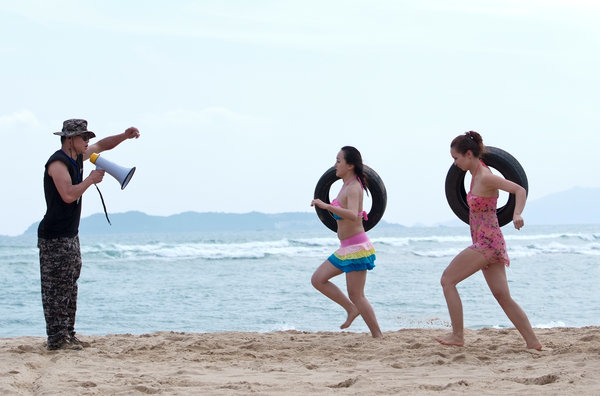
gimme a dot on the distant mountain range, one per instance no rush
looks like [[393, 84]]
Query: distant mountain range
[[574, 206], [138, 222]]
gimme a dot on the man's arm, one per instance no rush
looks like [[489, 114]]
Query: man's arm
[[110, 142], [68, 191]]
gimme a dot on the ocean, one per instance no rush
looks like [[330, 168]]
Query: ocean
[[260, 281]]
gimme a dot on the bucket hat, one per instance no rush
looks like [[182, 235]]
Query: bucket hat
[[74, 127]]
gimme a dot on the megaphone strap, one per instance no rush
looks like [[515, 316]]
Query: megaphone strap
[[103, 205]]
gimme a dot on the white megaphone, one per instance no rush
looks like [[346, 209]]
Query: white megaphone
[[122, 174]]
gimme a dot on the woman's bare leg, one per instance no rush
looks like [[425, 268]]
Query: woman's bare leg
[[495, 276], [460, 268], [321, 281], [355, 282]]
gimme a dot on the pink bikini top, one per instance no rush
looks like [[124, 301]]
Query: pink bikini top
[[337, 204]]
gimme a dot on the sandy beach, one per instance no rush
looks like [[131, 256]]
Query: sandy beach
[[298, 363]]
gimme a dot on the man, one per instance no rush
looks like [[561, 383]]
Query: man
[[58, 232]]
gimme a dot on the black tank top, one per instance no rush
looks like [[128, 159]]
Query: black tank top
[[61, 218]]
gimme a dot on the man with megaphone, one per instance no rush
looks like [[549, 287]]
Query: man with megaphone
[[58, 232]]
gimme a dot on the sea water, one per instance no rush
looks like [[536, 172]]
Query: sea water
[[260, 281]]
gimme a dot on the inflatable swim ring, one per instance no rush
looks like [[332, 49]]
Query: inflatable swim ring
[[376, 188], [495, 158]]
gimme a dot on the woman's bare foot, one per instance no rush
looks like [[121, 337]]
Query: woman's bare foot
[[536, 346], [351, 316], [451, 340]]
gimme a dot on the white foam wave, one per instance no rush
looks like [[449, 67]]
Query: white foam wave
[[434, 246], [558, 236], [407, 241], [555, 247], [550, 325], [437, 253], [211, 250]]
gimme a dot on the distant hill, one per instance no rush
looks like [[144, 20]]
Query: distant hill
[[575, 206], [138, 222]]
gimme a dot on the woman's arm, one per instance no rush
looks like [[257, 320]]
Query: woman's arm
[[499, 183], [352, 199]]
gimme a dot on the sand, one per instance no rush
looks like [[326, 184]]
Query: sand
[[411, 362]]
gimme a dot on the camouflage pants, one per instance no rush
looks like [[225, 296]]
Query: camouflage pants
[[60, 266]]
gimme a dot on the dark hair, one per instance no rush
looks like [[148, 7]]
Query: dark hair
[[352, 157], [469, 141]]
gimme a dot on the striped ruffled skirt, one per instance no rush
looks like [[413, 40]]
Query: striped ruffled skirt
[[355, 254]]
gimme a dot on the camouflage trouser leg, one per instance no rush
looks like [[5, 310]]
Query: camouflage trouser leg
[[60, 266]]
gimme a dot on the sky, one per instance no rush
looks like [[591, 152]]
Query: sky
[[243, 105]]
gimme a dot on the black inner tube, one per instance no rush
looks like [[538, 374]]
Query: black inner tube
[[495, 158], [375, 187]]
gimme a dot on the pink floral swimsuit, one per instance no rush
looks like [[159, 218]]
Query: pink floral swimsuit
[[485, 230]]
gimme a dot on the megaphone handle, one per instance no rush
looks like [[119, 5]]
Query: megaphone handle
[[103, 205]]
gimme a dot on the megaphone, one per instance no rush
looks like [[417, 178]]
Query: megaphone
[[122, 174]]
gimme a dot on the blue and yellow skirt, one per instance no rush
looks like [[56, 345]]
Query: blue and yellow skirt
[[355, 254]]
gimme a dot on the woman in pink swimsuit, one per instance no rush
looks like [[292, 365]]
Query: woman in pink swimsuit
[[488, 251], [356, 254]]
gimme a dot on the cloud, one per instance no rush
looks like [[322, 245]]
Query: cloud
[[308, 24], [23, 118], [213, 116], [316, 25]]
